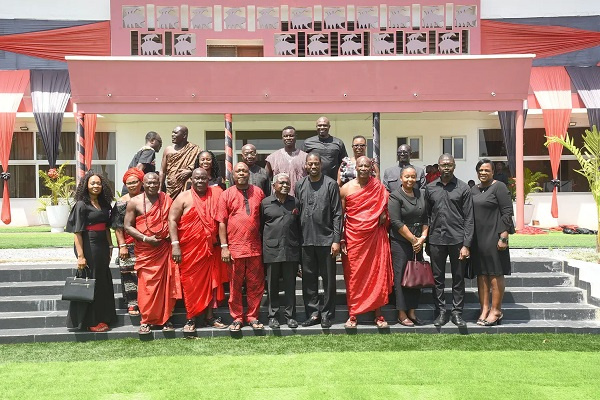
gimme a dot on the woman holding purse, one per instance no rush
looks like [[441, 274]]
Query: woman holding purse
[[408, 231], [492, 208], [90, 222]]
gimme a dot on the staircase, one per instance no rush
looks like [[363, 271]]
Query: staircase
[[540, 298]]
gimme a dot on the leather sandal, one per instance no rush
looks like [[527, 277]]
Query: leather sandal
[[406, 322], [256, 325], [144, 329], [168, 327], [351, 323], [215, 323], [235, 326], [381, 322], [190, 326]]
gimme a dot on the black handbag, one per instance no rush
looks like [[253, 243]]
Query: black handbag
[[469, 272], [79, 288]]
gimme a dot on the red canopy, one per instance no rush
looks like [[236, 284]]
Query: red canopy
[[12, 86], [55, 44]]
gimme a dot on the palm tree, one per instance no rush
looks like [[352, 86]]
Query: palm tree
[[588, 157]]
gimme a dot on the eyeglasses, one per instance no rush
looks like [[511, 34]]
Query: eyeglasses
[[359, 145]]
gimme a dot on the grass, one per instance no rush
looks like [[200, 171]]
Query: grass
[[407, 366], [40, 236], [553, 240], [34, 237]]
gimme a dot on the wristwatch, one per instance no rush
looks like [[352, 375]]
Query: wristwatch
[[504, 239]]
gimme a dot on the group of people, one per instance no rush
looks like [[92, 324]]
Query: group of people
[[307, 207]]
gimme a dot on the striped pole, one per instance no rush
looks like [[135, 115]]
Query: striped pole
[[80, 148], [376, 138], [228, 150]]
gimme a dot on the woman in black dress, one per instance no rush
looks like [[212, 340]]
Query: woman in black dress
[[208, 162], [408, 231], [90, 222], [492, 207]]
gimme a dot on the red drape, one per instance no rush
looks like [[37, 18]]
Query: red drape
[[55, 44], [544, 41], [552, 88], [12, 86], [89, 124]]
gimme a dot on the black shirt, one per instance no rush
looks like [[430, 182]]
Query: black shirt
[[320, 211], [259, 177], [406, 210], [450, 210], [280, 224], [391, 177], [145, 156], [332, 151]]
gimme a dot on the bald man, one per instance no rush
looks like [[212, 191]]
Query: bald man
[[238, 215], [178, 162], [331, 149], [258, 175]]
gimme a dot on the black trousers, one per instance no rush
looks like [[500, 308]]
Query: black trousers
[[439, 254], [287, 271], [317, 261], [406, 298]]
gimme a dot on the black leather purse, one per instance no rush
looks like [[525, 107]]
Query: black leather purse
[[79, 287]]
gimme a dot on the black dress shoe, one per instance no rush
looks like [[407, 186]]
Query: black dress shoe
[[292, 323], [458, 320], [273, 323], [311, 321], [326, 323], [441, 319]]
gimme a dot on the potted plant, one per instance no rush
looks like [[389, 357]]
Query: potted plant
[[61, 188], [530, 185]]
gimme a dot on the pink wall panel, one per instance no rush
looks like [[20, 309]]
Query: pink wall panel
[[121, 36], [259, 85]]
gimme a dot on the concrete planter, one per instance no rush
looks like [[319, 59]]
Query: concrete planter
[[57, 217]]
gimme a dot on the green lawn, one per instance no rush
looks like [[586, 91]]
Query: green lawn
[[554, 240], [40, 236], [518, 366]]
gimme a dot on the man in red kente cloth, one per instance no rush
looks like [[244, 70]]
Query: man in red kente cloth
[[365, 247], [194, 242], [146, 220], [241, 248]]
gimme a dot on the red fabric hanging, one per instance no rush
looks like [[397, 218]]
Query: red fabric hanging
[[55, 44], [12, 86], [89, 125], [552, 88], [543, 40]]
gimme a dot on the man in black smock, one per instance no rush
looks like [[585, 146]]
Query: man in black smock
[[321, 223], [451, 227], [258, 175], [391, 176], [280, 221], [145, 158], [331, 149]]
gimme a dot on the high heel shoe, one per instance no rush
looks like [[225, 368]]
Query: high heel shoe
[[498, 321]]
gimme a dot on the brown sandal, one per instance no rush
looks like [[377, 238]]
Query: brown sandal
[[190, 326], [215, 323], [144, 329], [256, 325], [235, 326]]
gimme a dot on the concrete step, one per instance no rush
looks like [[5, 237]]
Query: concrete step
[[59, 272], [514, 311], [519, 279], [512, 295], [516, 326]]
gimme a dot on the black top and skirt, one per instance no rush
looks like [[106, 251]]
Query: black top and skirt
[[88, 220], [493, 211], [409, 211]]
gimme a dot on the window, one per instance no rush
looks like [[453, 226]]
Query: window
[[28, 156], [234, 51], [536, 157], [415, 146], [454, 145]]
